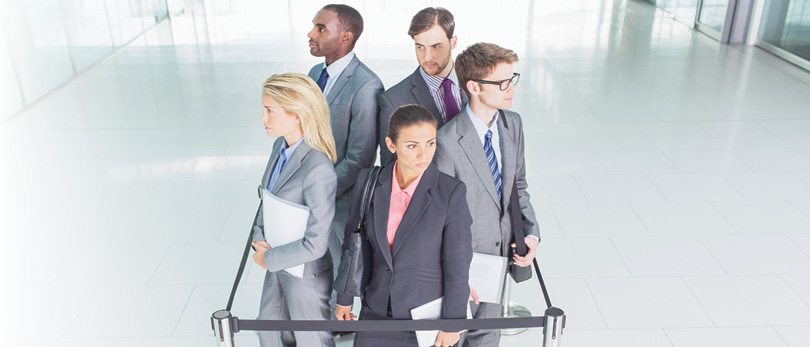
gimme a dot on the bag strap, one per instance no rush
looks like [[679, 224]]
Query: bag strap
[[368, 194], [519, 233]]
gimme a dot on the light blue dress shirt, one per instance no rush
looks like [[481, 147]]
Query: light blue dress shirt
[[284, 155]]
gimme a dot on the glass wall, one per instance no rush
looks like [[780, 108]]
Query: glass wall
[[44, 43], [713, 14], [786, 27], [683, 10]]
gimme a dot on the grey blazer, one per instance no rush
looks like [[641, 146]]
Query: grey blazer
[[431, 253], [460, 154], [353, 112], [308, 179], [411, 90]]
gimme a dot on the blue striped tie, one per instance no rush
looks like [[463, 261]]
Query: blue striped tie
[[493, 163]]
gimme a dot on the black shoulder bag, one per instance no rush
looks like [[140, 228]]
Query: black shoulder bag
[[355, 263]]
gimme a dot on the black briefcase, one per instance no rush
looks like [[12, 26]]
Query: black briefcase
[[518, 273]]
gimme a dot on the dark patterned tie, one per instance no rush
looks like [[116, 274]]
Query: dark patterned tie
[[450, 103], [322, 80]]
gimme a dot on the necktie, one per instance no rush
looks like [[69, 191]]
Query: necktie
[[450, 103], [322, 80], [280, 162], [493, 163]]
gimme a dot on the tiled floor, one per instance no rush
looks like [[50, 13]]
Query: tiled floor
[[671, 176]]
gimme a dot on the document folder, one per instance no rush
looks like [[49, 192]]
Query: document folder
[[284, 222], [431, 310], [487, 273]]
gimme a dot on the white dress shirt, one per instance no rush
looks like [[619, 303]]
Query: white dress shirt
[[334, 70]]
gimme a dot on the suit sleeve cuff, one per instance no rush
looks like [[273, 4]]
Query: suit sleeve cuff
[[345, 300]]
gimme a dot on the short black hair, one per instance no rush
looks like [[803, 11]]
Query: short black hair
[[409, 115], [350, 20]]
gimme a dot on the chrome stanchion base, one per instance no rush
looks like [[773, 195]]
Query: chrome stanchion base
[[553, 327], [221, 322], [512, 311]]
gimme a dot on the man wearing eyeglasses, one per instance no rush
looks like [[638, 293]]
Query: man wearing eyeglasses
[[434, 83], [483, 147]]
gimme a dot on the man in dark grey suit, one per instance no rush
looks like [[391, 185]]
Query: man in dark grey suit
[[351, 89], [484, 148], [433, 84]]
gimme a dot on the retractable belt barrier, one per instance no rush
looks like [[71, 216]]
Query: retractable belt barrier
[[225, 325]]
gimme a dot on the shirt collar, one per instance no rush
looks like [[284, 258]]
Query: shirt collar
[[339, 65], [409, 189], [481, 127], [288, 151], [435, 82]]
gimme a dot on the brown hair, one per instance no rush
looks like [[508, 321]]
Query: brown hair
[[427, 17], [350, 20], [409, 115], [478, 60]]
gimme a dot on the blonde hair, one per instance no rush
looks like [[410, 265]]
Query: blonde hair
[[298, 94]]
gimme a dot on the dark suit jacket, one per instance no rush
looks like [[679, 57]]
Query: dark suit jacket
[[411, 90], [431, 252]]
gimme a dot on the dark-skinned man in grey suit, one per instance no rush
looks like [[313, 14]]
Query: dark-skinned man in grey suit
[[351, 89]]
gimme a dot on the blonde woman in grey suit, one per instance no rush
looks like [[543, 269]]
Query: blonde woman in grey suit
[[300, 170]]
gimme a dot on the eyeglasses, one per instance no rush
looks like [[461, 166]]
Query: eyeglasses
[[503, 84]]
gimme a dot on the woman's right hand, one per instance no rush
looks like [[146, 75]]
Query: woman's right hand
[[445, 339], [344, 313]]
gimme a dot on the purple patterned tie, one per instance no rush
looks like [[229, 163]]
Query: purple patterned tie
[[450, 103]]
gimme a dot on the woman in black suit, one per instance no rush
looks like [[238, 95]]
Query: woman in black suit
[[418, 228]]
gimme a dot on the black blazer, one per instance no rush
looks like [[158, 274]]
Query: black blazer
[[431, 252]]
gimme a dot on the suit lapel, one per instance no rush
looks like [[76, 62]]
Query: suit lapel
[[270, 163], [508, 155], [420, 91], [381, 203], [293, 164], [416, 208], [471, 144], [342, 79], [315, 72]]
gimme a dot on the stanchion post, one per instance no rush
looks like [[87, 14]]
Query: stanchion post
[[553, 327], [511, 309], [222, 323]]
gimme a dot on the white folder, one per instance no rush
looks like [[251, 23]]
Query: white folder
[[431, 310], [284, 222], [487, 273]]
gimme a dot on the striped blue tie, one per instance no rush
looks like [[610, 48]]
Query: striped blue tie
[[493, 163]]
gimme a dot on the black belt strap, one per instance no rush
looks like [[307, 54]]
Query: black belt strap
[[244, 258], [388, 325]]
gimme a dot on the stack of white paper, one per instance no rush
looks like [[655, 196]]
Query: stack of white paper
[[284, 222], [487, 273]]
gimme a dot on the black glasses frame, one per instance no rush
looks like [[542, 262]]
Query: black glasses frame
[[514, 80]]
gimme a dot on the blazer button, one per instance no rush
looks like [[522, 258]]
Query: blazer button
[[497, 244], [389, 271]]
